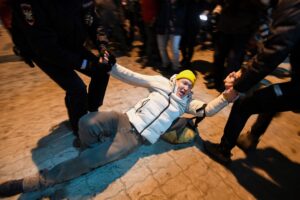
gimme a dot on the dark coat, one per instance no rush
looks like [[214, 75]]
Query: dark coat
[[239, 17], [54, 31], [170, 17], [283, 40]]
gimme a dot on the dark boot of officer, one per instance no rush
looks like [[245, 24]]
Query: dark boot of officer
[[219, 152], [248, 141]]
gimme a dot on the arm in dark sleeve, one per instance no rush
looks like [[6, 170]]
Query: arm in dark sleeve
[[284, 35]]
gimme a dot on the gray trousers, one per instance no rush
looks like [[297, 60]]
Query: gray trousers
[[105, 137]]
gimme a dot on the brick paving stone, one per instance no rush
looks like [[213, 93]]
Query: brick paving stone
[[144, 188], [191, 193], [163, 174], [175, 185], [159, 162], [121, 196], [187, 160], [156, 194], [135, 176]]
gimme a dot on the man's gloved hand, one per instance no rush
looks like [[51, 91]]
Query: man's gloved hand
[[99, 64], [111, 60]]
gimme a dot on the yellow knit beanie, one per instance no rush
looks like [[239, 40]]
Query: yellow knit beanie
[[188, 74]]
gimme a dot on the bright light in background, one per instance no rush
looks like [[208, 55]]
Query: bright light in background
[[203, 17]]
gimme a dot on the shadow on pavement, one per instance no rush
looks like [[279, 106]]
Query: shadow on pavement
[[283, 180], [57, 147], [267, 174], [9, 58]]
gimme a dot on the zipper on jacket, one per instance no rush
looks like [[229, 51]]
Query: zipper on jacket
[[142, 105], [169, 102]]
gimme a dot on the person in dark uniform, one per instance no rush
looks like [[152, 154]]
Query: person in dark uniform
[[238, 22], [284, 40], [52, 34]]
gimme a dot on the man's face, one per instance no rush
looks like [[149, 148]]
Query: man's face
[[184, 87]]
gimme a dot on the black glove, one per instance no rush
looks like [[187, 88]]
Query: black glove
[[111, 60], [97, 67], [105, 66], [92, 63]]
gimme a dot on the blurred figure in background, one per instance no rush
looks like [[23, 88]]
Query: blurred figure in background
[[5, 14], [169, 27], [191, 29], [237, 23], [112, 18], [149, 10], [132, 10]]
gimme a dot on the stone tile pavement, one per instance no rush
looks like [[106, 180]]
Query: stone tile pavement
[[34, 135]]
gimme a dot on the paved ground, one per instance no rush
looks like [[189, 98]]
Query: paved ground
[[34, 135]]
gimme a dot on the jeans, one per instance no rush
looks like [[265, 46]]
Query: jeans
[[162, 41], [105, 137]]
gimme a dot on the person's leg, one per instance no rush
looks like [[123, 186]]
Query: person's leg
[[96, 90], [191, 42], [175, 41], [162, 42], [261, 124], [108, 136], [237, 52], [222, 47], [76, 94], [275, 98], [249, 140]]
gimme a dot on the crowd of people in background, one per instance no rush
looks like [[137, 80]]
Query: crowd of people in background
[[169, 30]]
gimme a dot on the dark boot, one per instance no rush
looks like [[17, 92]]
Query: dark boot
[[247, 142], [219, 152], [10, 188]]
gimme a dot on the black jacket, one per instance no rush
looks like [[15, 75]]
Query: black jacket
[[54, 31], [239, 17], [284, 40], [170, 17]]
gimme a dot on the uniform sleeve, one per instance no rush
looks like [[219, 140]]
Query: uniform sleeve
[[201, 109], [285, 33]]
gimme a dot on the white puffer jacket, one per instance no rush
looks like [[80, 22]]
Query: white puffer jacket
[[153, 115]]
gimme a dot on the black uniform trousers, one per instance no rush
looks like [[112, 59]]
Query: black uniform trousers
[[230, 48], [78, 99], [263, 101]]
